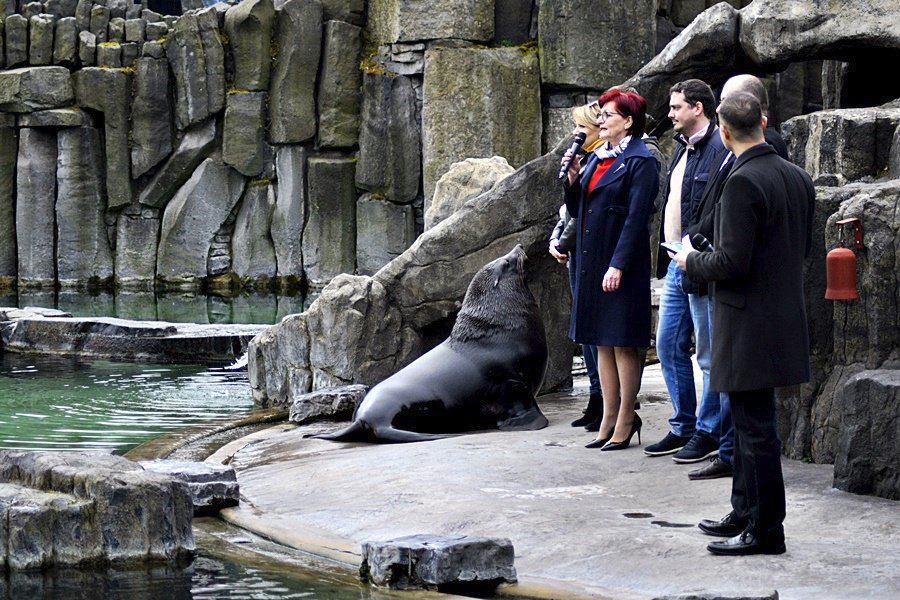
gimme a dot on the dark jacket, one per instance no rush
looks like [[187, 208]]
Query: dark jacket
[[613, 232], [763, 228], [696, 174], [701, 220]]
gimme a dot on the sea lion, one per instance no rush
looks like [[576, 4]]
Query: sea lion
[[484, 376]]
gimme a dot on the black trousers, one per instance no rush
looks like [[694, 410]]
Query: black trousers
[[757, 491]]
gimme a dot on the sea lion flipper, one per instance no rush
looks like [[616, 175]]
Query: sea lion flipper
[[390, 434], [529, 420], [521, 412], [353, 432]]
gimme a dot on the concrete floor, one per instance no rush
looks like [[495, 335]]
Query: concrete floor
[[584, 523]]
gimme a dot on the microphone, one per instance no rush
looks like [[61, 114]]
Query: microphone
[[699, 242], [575, 147]]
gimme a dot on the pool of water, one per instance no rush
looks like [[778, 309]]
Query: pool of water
[[56, 403]]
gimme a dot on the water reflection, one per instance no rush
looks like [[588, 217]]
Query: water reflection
[[175, 307], [61, 403]]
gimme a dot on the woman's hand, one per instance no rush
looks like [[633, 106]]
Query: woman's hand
[[612, 279], [555, 253], [574, 166]]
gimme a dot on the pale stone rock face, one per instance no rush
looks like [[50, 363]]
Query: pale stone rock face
[[390, 147], [137, 234], [392, 21], [594, 44], [197, 60], [339, 83], [35, 207], [462, 182], [151, 115], [195, 146], [251, 245], [248, 26], [83, 250], [298, 38], [192, 218], [290, 212], [35, 88], [383, 231], [329, 238], [8, 151], [479, 103], [16, 40], [65, 42], [40, 40], [244, 132]]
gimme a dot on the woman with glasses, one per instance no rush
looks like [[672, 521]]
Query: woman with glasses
[[612, 195], [562, 246]]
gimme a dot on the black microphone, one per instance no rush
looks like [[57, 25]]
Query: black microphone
[[699, 242], [576, 146]]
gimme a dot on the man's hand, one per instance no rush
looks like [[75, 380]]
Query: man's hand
[[612, 279], [681, 258], [555, 253]]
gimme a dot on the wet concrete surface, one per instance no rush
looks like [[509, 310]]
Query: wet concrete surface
[[616, 525]]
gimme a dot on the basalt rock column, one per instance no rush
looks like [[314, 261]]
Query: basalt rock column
[[339, 82], [83, 251], [329, 240], [253, 255], [8, 150], [248, 26], [289, 214], [35, 207], [151, 115], [197, 59]]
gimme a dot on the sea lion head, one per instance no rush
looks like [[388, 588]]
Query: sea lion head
[[498, 299]]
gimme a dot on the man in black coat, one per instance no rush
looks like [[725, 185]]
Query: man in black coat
[[701, 222], [763, 226]]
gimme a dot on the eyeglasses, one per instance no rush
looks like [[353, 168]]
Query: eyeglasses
[[603, 116]]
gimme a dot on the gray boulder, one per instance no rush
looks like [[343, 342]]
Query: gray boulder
[[116, 29], [27, 89], [151, 115], [332, 403], [137, 232], [87, 48], [100, 22], [363, 329], [838, 146], [156, 31], [40, 40], [35, 211], [391, 21], [191, 220], [82, 245], [109, 55], [8, 151], [248, 26], [390, 146], [435, 561], [244, 132], [864, 462], [329, 238], [65, 42], [109, 91], [620, 41], [83, 15], [71, 509], [462, 182], [339, 84], [774, 33], [384, 230], [213, 487], [289, 215], [135, 30], [195, 146], [251, 246], [298, 37], [479, 103], [61, 8], [197, 60], [16, 33]]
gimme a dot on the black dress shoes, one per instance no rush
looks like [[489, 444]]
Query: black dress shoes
[[745, 544], [728, 526]]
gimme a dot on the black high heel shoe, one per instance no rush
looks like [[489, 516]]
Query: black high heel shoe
[[635, 428], [599, 443]]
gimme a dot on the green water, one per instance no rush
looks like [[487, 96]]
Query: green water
[[53, 403]]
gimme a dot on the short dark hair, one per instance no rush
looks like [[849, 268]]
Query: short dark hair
[[630, 104], [742, 114], [695, 91]]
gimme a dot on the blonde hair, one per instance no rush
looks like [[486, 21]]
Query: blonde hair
[[585, 115]]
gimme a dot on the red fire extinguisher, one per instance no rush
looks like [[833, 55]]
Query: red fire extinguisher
[[840, 265]]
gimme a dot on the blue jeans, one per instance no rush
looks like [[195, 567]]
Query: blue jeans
[[709, 416], [673, 346], [589, 352]]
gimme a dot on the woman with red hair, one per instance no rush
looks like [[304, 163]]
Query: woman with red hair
[[613, 194]]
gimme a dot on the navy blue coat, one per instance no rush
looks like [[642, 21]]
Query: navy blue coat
[[614, 233]]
